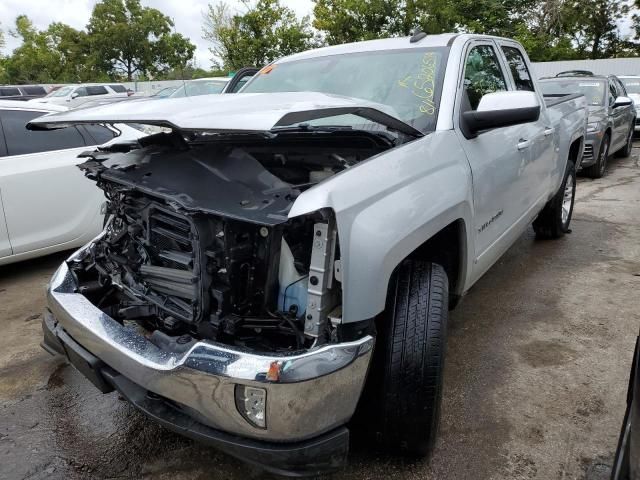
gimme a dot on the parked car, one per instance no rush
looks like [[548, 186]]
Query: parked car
[[21, 92], [46, 204], [164, 92], [347, 198], [201, 86], [632, 86], [75, 95], [612, 116]]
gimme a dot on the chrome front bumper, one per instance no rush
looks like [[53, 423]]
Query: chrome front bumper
[[315, 392]]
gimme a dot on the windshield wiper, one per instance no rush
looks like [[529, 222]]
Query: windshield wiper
[[305, 127]]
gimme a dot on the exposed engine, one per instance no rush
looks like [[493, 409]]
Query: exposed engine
[[198, 244]]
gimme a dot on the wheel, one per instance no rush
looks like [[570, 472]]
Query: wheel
[[597, 169], [626, 150], [405, 384], [553, 221]]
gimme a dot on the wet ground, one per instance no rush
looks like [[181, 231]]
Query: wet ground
[[538, 363]]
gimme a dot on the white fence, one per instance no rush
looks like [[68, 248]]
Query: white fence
[[612, 66]]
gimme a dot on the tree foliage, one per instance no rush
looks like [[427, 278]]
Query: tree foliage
[[267, 30], [131, 40], [549, 29]]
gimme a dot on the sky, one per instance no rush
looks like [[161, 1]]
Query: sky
[[187, 16]]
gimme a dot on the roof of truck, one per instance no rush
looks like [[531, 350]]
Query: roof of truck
[[398, 43]]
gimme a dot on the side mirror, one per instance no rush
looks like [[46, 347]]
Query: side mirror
[[622, 102], [74, 95], [501, 109]]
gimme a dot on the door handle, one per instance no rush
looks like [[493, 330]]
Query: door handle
[[522, 144], [548, 131]]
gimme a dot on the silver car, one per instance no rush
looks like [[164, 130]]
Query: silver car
[[612, 116]]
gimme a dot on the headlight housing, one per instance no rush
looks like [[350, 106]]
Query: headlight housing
[[593, 127]]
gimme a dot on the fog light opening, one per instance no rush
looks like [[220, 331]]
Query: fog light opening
[[251, 403]]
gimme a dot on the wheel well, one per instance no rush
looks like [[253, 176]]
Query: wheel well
[[574, 149], [446, 248]]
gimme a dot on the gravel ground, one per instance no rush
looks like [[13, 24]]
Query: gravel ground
[[538, 361]]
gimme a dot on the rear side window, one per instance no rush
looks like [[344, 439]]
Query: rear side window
[[21, 141], [9, 92], [519, 70], [118, 88], [482, 74], [34, 90], [96, 90], [97, 134]]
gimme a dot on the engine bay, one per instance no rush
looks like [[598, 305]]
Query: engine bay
[[198, 244]]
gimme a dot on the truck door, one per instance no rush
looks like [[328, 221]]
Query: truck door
[[500, 159], [5, 246], [543, 161]]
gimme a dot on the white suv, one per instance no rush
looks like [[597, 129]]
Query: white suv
[[74, 95]]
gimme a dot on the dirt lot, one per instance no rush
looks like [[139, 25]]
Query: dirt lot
[[538, 362]]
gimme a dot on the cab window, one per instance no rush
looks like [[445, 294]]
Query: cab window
[[519, 70], [482, 74]]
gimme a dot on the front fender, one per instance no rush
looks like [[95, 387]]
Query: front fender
[[386, 207]]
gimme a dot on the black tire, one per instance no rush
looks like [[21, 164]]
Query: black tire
[[405, 386], [550, 222], [626, 150], [598, 169]]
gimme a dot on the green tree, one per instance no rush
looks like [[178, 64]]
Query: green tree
[[130, 40], [596, 28], [33, 61], [58, 54], [354, 20], [266, 31]]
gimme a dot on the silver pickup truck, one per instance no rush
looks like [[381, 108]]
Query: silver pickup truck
[[280, 265]]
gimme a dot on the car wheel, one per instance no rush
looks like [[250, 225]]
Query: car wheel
[[626, 150], [598, 169], [554, 220], [404, 391]]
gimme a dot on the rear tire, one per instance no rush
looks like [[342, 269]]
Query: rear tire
[[598, 169], [405, 385], [554, 220]]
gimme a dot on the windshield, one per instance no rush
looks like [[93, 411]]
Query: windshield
[[61, 92], [408, 81], [632, 85], [199, 87], [592, 89]]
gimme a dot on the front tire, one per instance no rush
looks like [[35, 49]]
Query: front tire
[[598, 169], [626, 150], [554, 220], [405, 389]]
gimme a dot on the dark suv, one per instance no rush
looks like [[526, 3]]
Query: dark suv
[[611, 115], [21, 92]]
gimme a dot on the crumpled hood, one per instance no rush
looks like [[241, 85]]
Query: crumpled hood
[[247, 112]]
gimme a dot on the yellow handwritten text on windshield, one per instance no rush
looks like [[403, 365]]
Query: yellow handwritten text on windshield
[[422, 84]]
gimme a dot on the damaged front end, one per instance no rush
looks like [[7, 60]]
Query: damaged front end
[[207, 306], [199, 246]]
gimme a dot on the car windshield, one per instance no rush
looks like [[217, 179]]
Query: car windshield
[[632, 85], [61, 92], [165, 92], [592, 89], [194, 88], [407, 81]]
